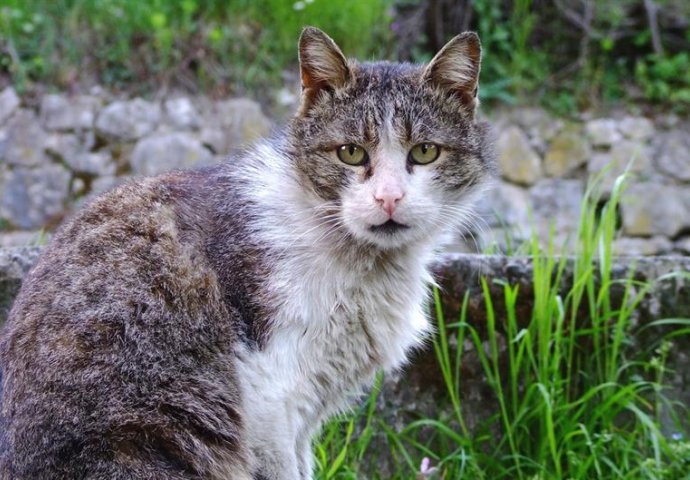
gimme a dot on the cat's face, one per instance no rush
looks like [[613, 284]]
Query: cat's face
[[391, 151]]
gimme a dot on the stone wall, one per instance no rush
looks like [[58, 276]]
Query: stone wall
[[64, 149], [547, 162], [58, 150]]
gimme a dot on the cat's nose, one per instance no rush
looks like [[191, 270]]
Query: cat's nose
[[388, 197]]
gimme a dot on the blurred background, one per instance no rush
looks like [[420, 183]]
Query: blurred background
[[93, 92]]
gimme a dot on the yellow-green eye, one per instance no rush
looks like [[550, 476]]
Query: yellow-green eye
[[352, 154], [424, 153]]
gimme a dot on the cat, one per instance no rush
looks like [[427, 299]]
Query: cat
[[204, 324]]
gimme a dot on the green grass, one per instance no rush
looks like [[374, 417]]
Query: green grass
[[223, 45], [579, 397]]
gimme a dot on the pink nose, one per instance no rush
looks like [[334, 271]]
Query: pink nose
[[388, 198]]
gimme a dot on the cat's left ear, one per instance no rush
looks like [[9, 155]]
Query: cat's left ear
[[456, 68], [322, 65]]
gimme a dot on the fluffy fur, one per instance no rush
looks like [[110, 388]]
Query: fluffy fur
[[204, 324]]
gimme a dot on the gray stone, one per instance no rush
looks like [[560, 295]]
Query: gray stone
[[63, 146], [539, 125], [25, 141], [34, 198], [568, 151], [637, 128], [682, 245], [129, 120], [15, 263], [632, 154], [655, 209], [557, 203], [602, 132], [528, 117], [23, 239], [103, 184], [182, 114], [632, 246], [9, 102], [3, 145], [518, 162], [92, 163], [214, 138], [59, 112], [506, 205], [669, 121], [163, 152], [673, 154], [232, 124], [606, 167]]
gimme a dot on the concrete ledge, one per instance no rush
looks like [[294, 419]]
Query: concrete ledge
[[458, 273]]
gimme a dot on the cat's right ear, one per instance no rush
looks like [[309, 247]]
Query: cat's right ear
[[322, 65]]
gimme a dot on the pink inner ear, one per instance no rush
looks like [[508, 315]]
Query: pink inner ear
[[321, 61], [322, 66]]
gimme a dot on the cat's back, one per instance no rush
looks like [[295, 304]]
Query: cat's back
[[116, 334]]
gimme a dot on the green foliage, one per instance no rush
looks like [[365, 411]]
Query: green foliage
[[665, 78], [555, 51], [577, 399], [572, 59], [227, 44], [513, 67]]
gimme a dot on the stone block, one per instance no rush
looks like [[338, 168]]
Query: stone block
[[31, 198], [232, 124], [127, 121], [170, 151], [9, 103], [568, 151], [672, 154], [181, 113], [637, 128], [603, 132], [518, 162], [60, 112], [25, 142], [652, 208]]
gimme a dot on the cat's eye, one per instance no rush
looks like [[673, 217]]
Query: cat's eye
[[424, 153], [352, 154]]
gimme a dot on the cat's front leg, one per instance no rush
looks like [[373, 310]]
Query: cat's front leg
[[273, 444], [275, 462], [305, 457]]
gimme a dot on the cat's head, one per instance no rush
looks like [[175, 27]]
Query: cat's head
[[391, 152]]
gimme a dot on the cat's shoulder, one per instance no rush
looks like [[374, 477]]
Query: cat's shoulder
[[142, 240]]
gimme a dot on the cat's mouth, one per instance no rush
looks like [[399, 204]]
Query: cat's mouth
[[390, 227]]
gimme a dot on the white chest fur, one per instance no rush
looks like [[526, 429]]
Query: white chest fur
[[335, 326]]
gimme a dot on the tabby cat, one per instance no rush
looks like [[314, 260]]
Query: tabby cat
[[204, 324]]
